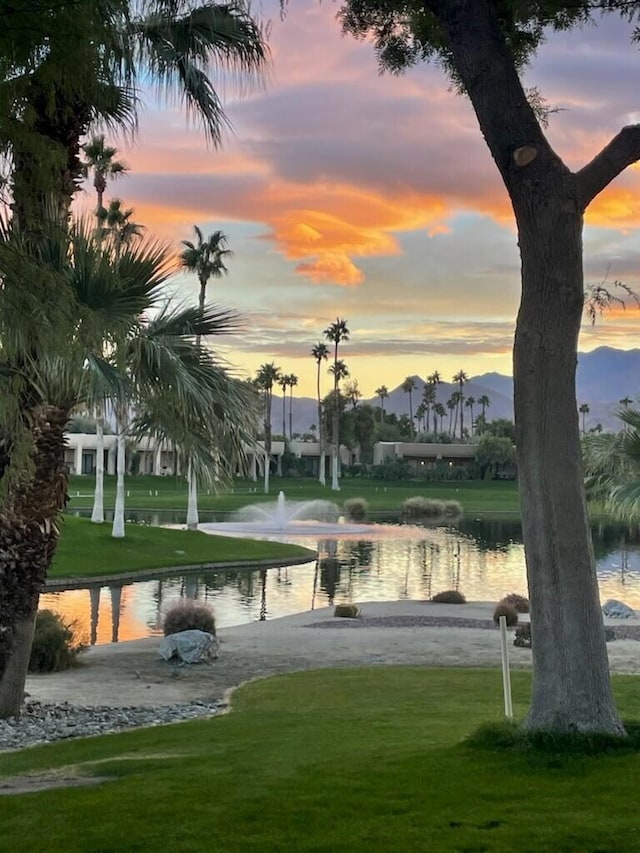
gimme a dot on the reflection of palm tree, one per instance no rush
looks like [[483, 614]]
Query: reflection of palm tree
[[337, 332], [320, 353], [383, 393]]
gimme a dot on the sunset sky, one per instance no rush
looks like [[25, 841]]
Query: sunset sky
[[374, 198]]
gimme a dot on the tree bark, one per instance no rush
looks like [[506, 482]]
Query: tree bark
[[571, 686], [28, 539]]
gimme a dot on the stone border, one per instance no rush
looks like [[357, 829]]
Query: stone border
[[64, 584]]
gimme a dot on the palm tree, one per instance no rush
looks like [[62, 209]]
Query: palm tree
[[470, 403], [383, 393], [428, 401], [440, 412], [584, 411], [293, 381], [421, 411], [320, 352], [485, 402], [206, 258], [88, 65], [152, 364], [84, 66], [408, 386], [337, 332], [100, 161], [451, 405], [116, 225], [283, 382], [352, 392], [268, 375], [612, 467], [461, 377]]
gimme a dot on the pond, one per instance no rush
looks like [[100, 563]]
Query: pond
[[482, 558]]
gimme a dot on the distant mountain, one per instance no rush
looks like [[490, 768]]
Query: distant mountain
[[604, 377]]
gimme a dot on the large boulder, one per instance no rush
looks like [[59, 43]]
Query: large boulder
[[617, 609], [189, 647]]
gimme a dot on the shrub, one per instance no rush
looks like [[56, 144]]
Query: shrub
[[189, 615], [520, 602], [356, 509], [347, 611], [508, 611], [523, 636], [55, 645], [449, 596], [419, 507]]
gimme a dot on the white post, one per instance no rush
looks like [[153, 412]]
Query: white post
[[77, 459], [506, 677]]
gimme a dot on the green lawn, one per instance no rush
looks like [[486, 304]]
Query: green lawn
[[475, 496], [89, 550], [355, 760]]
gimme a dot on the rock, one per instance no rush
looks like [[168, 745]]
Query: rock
[[617, 609], [189, 646]]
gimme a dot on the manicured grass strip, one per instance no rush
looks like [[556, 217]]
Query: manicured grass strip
[[475, 495], [358, 760], [89, 550]]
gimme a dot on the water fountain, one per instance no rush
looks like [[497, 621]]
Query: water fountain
[[293, 518]]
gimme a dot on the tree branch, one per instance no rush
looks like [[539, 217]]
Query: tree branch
[[622, 151]]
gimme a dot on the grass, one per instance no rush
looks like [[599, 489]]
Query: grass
[[476, 496], [358, 760], [88, 550]]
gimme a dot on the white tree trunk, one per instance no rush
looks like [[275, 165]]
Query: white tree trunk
[[267, 462], [321, 477], [192, 506], [97, 516], [118, 515], [335, 485]]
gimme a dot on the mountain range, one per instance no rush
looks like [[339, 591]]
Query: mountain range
[[605, 376]]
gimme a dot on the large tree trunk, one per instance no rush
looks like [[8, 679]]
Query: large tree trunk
[[28, 539], [571, 688]]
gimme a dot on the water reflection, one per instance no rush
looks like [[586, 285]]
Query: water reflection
[[482, 558]]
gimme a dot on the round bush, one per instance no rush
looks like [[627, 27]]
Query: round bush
[[189, 615], [347, 611], [508, 611], [356, 509], [520, 602], [55, 646], [449, 596], [419, 507]]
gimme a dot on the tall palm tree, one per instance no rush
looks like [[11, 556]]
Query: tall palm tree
[[206, 258], [421, 411], [116, 225], [283, 382], [470, 403], [440, 412], [461, 377], [485, 402], [383, 393], [408, 386], [352, 392], [293, 381], [99, 161], [428, 401], [337, 333], [89, 64], [584, 411], [268, 375], [320, 352], [149, 363], [452, 405]]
